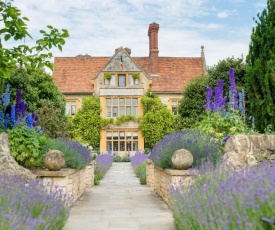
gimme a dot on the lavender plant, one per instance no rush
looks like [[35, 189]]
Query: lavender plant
[[138, 159], [76, 155], [30, 206], [138, 163], [200, 145], [102, 163], [226, 199]]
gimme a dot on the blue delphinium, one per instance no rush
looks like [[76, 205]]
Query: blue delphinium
[[29, 121], [6, 123], [6, 96], [233, 88], [13, 119], [208, 105], [39, 130], [1, 118]]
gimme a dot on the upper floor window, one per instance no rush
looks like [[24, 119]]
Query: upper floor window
[[116, 107], [71, 107], [122, 80]]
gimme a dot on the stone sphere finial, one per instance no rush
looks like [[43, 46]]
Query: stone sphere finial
[[182, 159]]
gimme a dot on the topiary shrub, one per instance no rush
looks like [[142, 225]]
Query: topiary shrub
[[201, 146]]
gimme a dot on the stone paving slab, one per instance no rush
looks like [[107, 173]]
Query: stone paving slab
[[120, 202]]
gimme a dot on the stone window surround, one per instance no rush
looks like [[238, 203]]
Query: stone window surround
[[129, 81]]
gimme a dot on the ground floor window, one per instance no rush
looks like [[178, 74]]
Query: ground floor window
[[71, 107], [122, 141]]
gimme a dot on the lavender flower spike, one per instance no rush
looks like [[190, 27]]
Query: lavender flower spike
[[209, 104]]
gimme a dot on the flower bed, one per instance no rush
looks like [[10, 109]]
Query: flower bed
[[30, 206], [138, 163], [102, 163], [226, 199]]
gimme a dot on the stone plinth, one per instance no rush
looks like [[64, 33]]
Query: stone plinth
[[72, 181], [163, 179]]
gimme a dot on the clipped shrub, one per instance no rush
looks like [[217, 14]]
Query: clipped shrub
[[76, 155], [26, 146], [121, 159], [227, 200], [31, 206], [200, 145]]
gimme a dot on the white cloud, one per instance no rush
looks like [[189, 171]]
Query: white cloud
[[223, 14], [99, 27]]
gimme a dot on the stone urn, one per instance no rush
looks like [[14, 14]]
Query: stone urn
[[54, 160], [182, 159]]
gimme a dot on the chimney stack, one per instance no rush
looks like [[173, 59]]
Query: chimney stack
[[153, 48]]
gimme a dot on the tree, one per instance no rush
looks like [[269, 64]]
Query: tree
[[260, 76], [87, 123], [191, 105], [157, 120], [15, 28]]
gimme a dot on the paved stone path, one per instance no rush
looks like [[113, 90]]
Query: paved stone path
[[120, 202]]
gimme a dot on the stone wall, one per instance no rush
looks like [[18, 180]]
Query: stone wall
[[163, 179], [72, 181]]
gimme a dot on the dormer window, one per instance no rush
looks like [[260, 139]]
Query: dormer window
[[122, 80]]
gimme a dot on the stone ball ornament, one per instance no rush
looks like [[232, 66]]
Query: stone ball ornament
[[182, 159], [54, 160]]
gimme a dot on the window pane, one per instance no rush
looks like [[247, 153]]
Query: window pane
[[115, 145], [128, 135], [115, 101], [108, 112], [122, 146], [121, 101], [121, 80], [109, 145], [128, 101], [130, 79], [115, 135], [108, 101], [135, 111], [106, 81], [128, 110], [115, 110], [129, 145], [135, 135], [73, 109], [135, 101], [109, 135], [122, 135], [136, 81], [113, 80], [68, 108], [121, 111], [135, 145]]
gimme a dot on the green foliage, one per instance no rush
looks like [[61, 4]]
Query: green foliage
[[15, 28], [221, 72], [191, 106], [135, 76], [87, 123], [108, 76], [220, 124], [260, 80], [121, 159], [99, 172], [125, 118], [140, 172], [149, 102], [26, 146]]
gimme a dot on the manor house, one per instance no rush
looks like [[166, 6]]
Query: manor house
[[120, 81]]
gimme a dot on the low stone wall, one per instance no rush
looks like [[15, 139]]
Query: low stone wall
[[72, 181], [163, 179]]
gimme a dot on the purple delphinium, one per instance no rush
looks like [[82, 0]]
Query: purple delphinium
[[219, 98], [225, 139], [21, 106], [233, 88], [34, 119], [209, 104], [30, 205], [13, 116], [138, 159]]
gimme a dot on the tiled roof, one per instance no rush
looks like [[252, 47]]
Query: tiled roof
[[74, 74]]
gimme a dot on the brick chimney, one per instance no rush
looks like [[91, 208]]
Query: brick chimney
[[153, 48]]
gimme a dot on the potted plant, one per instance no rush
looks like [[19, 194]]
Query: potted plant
[[107, 77], [135, 77]]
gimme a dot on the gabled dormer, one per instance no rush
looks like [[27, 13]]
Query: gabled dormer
[[121, 72]]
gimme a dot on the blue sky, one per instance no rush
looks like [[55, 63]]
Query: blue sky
[[98, 27]]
